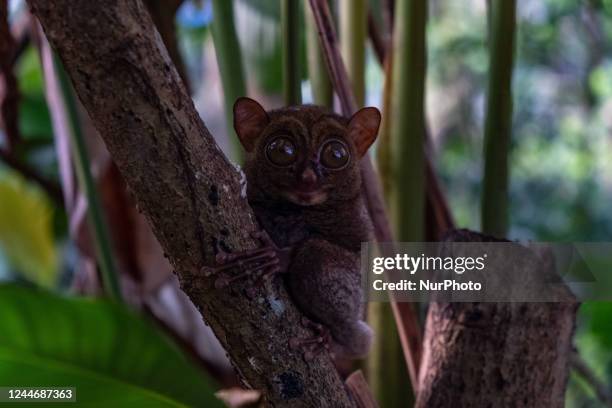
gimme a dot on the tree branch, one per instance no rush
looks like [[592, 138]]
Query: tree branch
[[163, 14], [496, 354], [378, 43], [190, 193]]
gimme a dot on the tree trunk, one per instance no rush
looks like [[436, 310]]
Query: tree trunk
[[191, 194], [496, 354]]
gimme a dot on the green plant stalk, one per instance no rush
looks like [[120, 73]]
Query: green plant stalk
[[95, 212], [408, 113], [498, 120], [353, 32], [385, 366], [317, 70], [231, 69], [290, 22]]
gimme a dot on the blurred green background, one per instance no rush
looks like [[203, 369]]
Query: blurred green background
[[561, 152]]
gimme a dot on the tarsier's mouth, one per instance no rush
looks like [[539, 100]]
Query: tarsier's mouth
[[306, 198]]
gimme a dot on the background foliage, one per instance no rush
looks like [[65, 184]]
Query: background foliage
[[560, 161]]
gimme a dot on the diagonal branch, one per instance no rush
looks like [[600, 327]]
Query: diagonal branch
[[405, 315], [190, 193], [378, 42], [163, 14]]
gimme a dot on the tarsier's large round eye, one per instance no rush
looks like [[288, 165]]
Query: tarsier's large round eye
[[334, 154], [281, 151]]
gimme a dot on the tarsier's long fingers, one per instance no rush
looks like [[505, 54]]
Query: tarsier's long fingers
[[296, 343], [240, 260], [316, 327], [225, 280], [273, 268], [230, 260], [264, 238]]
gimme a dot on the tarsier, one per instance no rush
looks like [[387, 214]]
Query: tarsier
[[304, 185]]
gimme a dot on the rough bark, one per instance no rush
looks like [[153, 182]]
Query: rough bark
[[192, 196], [496, 354], [163, 13]]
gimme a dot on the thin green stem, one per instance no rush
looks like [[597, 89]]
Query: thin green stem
[[498, 121], [353, 32], [386, 369], [388, 375], [290, 22], [231, 69], [408, 113], [317, 70], [95, 213]]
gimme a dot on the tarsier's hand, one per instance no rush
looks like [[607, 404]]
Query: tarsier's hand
[[261, 262]]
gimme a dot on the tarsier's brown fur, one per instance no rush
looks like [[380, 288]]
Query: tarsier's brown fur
[[316, 212]]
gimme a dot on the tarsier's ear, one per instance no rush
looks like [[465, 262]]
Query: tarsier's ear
[[250, 119], [363, 128]]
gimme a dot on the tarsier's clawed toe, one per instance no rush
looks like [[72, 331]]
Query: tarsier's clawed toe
[[222, 281], [295, 343], [311, 346]]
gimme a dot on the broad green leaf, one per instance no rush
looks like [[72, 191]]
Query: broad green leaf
[[26, 236], [112, 356]]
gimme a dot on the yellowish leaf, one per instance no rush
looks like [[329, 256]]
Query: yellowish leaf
[[26, 236]]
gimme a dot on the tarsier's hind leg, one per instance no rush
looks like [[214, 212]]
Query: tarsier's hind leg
[[325, 283], [358, 341]]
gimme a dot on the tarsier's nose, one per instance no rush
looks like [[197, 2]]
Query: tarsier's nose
[[308, 177]]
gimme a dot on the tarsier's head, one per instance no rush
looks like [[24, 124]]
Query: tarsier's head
[[305, 154]]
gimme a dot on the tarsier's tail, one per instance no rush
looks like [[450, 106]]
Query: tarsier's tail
[[356, 340]]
